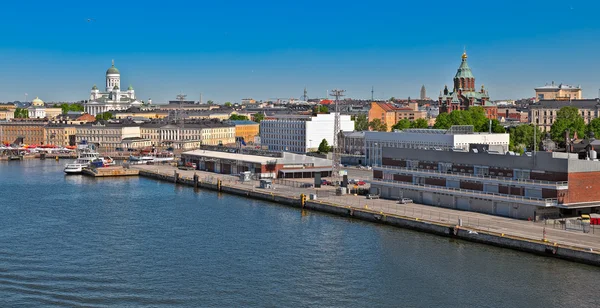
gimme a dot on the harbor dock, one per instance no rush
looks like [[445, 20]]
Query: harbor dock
[[533, 237], [110, 171]]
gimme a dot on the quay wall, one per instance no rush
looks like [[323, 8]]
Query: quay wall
[[538, 247]]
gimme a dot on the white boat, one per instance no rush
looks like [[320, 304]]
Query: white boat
[[86, 155], [153, 158]]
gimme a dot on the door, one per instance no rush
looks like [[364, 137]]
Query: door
[[427, 198], [463, 204], [502, 209]]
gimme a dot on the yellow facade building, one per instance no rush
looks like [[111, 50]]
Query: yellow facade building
[[60, 134], [558, 92], [248, 130]]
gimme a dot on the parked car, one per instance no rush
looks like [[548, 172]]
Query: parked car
[[361, 183], [325, 182], [306, 185], [372, 196], [405, 201]]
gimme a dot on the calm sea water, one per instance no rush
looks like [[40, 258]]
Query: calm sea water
[[134, 242]]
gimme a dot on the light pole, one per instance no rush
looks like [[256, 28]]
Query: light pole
[[309, 144]]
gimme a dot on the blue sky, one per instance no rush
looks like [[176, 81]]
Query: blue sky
[[229, 50]]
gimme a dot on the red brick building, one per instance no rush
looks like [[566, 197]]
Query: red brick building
[[547, 184], [464, 93]]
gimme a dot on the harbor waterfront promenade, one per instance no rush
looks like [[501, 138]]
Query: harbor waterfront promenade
[[536, 237]]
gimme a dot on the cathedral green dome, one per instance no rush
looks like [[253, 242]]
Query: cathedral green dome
[[113, 69], [130, 88]]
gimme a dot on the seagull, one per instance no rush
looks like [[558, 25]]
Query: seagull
[[90, 19]]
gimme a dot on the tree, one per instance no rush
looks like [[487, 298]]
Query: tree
[[210, 102], [259, 117], [227, 104], [567, 118], [594, 127], [238, 117], [521, 138], [71, 107], [321, 109], [104, 116], [402, 124], [361, 122], [478, 119], [392, 99], [442, 121], [377, 125], [324, 147], [419, 123], [497, 128], [21, 113]]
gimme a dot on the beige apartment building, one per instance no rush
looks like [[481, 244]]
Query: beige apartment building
[[561, 92], [107, 136], [543, 113], [191, 135]]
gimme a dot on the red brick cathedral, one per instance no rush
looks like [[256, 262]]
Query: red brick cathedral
[[464, 94]]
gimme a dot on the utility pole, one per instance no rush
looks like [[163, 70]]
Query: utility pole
[[336, 130]]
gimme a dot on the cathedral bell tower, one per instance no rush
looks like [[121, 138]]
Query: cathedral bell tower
[[464, 79]]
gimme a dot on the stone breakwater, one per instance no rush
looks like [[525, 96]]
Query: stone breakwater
[[540, 247]]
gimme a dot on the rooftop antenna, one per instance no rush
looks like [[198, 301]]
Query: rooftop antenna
[[337, 93]]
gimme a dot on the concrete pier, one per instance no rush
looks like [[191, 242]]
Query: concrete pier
[[475, 227], [110, 171]]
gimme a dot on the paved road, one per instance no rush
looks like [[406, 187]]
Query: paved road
[[526, 229]]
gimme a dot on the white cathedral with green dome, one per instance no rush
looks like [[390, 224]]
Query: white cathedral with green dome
[[112, 98]]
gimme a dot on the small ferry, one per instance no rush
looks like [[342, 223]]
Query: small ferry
[[86, 155]]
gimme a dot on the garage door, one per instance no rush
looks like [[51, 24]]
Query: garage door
[[463, 204], [427, 198], [503, 209]]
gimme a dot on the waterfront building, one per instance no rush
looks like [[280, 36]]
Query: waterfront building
[[112, 98], [300, 133], [190, 135], [546, 184], [543, 113], [560, 92], [60, 134], [246, 130], [107, 136], [27, 132], [263, 164], [457, 138], [464, 93]]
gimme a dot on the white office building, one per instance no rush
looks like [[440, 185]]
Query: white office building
[[300, 133], [456, 138]]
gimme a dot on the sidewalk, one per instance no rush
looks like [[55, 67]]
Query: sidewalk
[[479, 221]]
